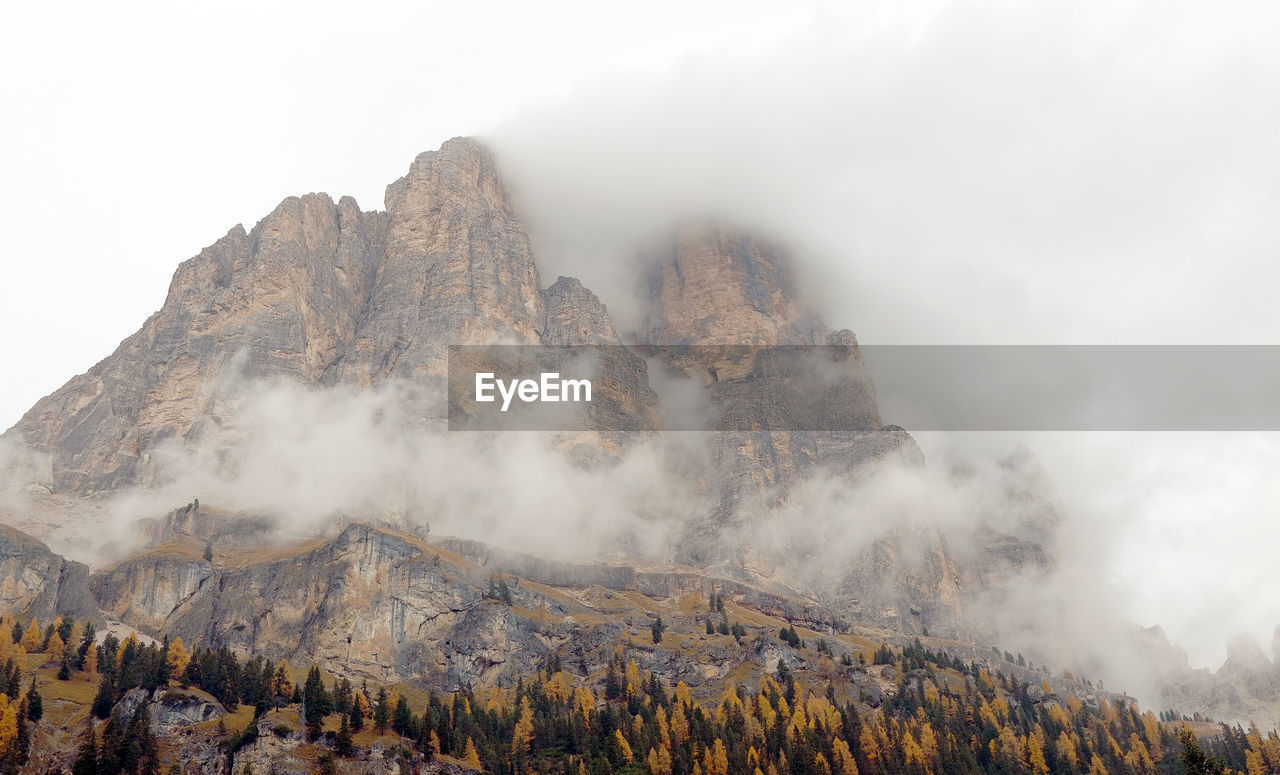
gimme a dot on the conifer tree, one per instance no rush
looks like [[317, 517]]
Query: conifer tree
[[105, 698], [86, 762], [342, 743], [34, 702], [381, 711], [356, 715]]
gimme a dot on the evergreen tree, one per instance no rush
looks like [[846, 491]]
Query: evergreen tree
[[657, 628], [342, 697], [15, 683], [138, 747], [34, 702], [22, 742], [112, 745], [105, 698], [357, 717], [342, 743], [402, 717], [612, 688], [86, 762], [317, 698], [381, 711], [1193, 757], [86, 643]]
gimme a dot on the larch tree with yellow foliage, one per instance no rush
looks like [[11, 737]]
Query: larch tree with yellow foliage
[[178, 657], [56, 649], [522, 736], [624, 748], [32, 637], [91, 660], [470, 756]]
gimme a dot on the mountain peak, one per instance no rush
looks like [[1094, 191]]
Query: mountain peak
[[712, 284], [461, 168]]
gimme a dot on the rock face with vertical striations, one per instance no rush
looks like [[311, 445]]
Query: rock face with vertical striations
[[318, 293], [458, 269], [368, 603], [279, 301], [36, 582], [624, 399], [575, 316], [322, 294], [711, 285]]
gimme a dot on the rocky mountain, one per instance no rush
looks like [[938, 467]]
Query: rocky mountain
[[36, 582], [461, 638], [384, 606], [278, 301], [322, 294], [317, 292]]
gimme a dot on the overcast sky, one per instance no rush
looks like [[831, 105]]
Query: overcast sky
[[989, 172]]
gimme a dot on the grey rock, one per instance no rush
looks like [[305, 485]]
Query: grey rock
[[36, 582]]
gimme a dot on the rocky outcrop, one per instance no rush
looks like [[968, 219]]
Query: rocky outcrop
[[279, 301], [1245, 688], [368, 603], [318, 292], [714, 286], [36, 582], [321, 293], [210, 525], [171, 709], [777, 368], [458, 269], [575, 316], [145, 591]]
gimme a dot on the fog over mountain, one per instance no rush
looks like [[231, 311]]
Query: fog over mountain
[[950, 174], [986, 175]]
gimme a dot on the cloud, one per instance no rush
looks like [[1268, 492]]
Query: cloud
[[947, 173], [953, 173], [305, 454], [982, 173]]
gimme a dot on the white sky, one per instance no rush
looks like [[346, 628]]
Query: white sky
[[961, 172]]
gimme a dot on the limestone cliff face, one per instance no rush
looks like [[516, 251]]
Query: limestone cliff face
[[279, 301], [368, 603], [624, 399], [155, 584], [458, 269], [711, 285], [317, 292], [194, 526], [1245, 688], [322, 293], [36, 582], [575, 316]]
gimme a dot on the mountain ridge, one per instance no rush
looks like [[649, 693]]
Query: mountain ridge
[[324, 295]]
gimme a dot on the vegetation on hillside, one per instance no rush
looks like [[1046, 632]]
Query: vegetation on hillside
[[939, 715]]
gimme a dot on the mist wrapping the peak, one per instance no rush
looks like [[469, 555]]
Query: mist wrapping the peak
[[987, 175], [932, 173]]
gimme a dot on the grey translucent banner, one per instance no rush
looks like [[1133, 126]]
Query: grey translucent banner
[[844, 387]]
